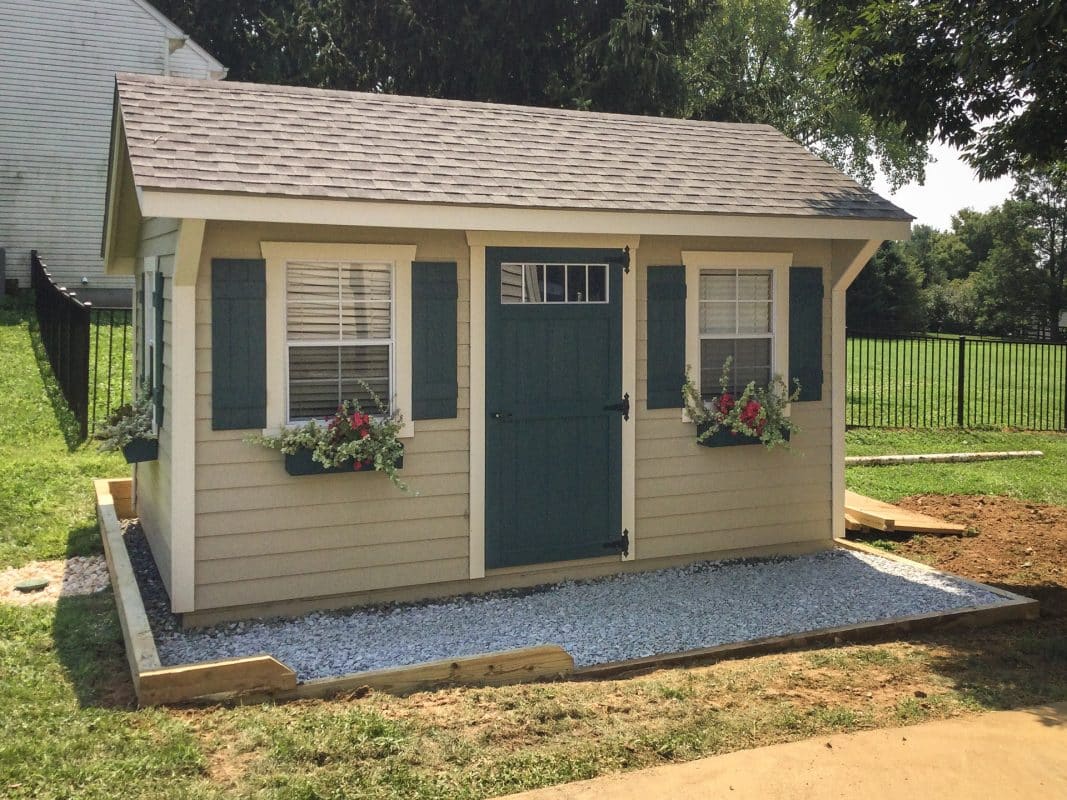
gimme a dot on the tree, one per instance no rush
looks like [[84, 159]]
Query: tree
[[988, 77], [757, 61], [885, 296], [1023, 280], [608, 55]]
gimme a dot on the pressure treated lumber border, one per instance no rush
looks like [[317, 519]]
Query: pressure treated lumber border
[[262, 676], [153, 683], [938, 458], [545, 662], [1012, 607]]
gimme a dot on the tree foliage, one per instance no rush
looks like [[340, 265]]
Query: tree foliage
[[988, 77], [732, 60], [885, 298], [1000, 272], [758, 61]]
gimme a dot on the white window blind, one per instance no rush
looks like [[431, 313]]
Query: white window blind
[[339, 331], [736, 321]]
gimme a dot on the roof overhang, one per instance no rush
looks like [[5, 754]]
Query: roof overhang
[[317, 211]]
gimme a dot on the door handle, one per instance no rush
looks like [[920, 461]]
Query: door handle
[[502, 416], [623, 407]]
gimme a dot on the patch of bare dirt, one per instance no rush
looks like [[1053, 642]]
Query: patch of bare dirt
[[1019, 546]]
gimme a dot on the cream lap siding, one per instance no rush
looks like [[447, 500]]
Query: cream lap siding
[[58, 61], [698, 500], [264, 536]]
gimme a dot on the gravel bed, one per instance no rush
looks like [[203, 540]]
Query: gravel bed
[[596, 621]]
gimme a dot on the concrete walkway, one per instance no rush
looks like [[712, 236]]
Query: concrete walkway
[[1002, 755]]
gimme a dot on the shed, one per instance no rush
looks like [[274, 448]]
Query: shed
[[531, 270], [58, 61]]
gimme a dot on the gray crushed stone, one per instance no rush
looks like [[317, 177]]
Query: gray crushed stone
[[596, 621]]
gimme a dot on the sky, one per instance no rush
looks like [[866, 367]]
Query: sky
[[950, 185]]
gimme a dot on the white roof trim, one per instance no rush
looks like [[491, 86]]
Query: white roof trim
[[311, 211], [173, 29]]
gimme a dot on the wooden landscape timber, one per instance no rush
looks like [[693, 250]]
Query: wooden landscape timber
[[153, 683], [545, 662], [938, 458], [866, 512], [263, 677]]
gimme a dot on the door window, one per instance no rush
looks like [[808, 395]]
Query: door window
[[535, 284]]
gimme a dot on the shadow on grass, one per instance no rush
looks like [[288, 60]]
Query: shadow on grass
[[66, 422], [18, 311], [1010, 666], [88, 642]]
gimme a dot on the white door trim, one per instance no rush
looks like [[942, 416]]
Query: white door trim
[[478, 241]]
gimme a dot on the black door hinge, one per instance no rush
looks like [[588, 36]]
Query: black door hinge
[[622, 407], [623, 258], [622, 544]]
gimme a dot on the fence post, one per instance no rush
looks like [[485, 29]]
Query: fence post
[[961, 367]]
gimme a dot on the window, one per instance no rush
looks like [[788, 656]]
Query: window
[[339, 335], [532, 284], [736, 308]]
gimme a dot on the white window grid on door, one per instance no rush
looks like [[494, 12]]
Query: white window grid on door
[[341, 341], [740, 331], [516, 286]]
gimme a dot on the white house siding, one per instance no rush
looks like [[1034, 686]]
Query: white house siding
[[152, 484], [58, 61], [263, 536], [691, 499]]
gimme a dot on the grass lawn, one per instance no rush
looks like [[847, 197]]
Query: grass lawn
[[68, 729], [46, 506], [1042, 480]]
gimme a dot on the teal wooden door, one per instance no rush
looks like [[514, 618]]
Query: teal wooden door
[[553, 362]]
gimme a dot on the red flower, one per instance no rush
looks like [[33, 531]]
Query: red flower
[[750, 413], [726, 403]]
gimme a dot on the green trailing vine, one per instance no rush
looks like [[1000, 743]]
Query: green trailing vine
[[351, 437], [759, 412]]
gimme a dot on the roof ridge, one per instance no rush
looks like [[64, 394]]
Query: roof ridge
[[418, 100]]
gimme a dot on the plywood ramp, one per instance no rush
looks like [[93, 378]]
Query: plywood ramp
[[861, 511]]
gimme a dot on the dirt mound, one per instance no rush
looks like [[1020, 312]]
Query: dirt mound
[[1020, 546]]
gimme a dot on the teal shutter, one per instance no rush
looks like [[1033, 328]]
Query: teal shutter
[[805, 331], [238, 344], [433, 340], [666, 336], [139, 335], [157, 384]]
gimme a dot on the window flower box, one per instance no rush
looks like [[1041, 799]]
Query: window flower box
[[301, 463], [349, 441], [138, 450], [724, 437]]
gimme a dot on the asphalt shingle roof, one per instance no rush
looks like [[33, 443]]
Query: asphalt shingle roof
[[296, 142]]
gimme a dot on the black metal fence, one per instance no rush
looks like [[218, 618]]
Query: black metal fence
[[89, 349], [112, 362], [63, 321], [931, 381]]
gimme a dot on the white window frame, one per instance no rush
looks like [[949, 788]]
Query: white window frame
[[277, 256], [148, 328], [778, 263], [290, 421]]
